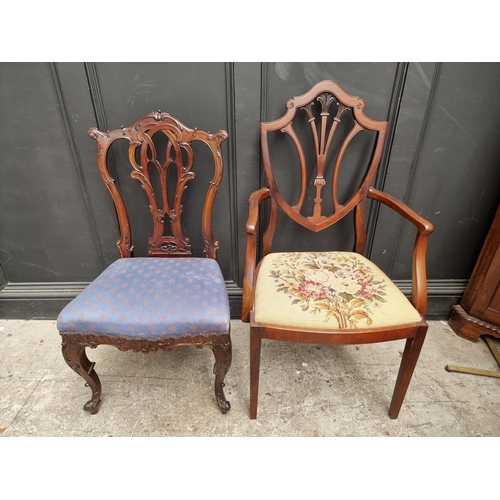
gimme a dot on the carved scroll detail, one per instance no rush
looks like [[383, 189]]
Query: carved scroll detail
[[322, 144], [223, 356], [325, 99], [74, 344], [323, 125], [158, 243], [143, 156], [144, 345], [470, 327], [322, 141]]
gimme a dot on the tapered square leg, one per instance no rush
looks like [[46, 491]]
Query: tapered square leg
[[255, 347], [410, 357]]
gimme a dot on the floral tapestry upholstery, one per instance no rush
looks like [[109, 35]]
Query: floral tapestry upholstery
[[151, 298], [328, 290]]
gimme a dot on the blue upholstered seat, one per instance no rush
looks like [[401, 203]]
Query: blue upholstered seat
[[151, 298], [169, 299]]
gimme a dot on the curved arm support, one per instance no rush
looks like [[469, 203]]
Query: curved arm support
[[424, 229], [256, 198]]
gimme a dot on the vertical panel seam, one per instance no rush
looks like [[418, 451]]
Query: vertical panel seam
[[96, 96], [232, 169], [264, 110], [425, 121], [380, 178], [264, 117], [78, 165], [100, 113], [4, 281], [413, 167]]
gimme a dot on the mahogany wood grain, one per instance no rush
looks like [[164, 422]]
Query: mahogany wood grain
[[141, 145], [424, 229], [143, 156], [324, 92], [328, 93], [251, 250], [479, 310]]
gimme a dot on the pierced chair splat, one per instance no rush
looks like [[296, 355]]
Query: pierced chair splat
[[324, 296], [168, 298]]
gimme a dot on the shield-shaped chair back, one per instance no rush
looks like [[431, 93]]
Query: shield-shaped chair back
[[321, 127]]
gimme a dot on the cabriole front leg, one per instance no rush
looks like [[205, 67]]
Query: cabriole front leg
[[76, 358], [223, 357]]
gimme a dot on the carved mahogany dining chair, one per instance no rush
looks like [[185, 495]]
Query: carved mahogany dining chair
[[168, 298], [327, 297]]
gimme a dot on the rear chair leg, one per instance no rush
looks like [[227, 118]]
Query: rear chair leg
[[410, 357], [223, 357], [76, 358]]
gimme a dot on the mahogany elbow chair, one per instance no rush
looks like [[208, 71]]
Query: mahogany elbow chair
[[328, 297], [168, 298]]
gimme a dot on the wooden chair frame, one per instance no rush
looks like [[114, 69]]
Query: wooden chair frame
[[179, 156], [413, 333]]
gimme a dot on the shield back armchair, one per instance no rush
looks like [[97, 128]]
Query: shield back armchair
[[326, 297]]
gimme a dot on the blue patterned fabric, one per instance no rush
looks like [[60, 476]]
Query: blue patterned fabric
[[150, 297]]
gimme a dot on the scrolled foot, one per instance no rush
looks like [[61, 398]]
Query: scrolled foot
[[223, 357], [75, 357], [223, 403], [92, 406]]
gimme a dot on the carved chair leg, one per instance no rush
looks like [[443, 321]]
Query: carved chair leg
[[410, 357], [255, 345], [223, 357], [76, 358]]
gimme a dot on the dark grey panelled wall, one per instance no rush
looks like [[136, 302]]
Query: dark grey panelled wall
[[57, 222]]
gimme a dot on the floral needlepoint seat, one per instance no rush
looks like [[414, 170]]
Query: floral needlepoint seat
[[320, 161], [328, 290]]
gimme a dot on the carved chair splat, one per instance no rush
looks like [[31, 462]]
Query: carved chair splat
[[169, 298], [328, 297]]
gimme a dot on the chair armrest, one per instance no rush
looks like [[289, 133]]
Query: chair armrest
[[424, 229], [256, 198]]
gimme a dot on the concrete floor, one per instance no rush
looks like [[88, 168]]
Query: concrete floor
[[305, 390]]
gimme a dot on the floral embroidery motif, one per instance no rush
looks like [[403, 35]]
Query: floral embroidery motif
[[335, 284]]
